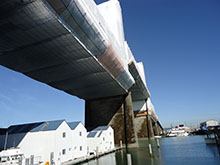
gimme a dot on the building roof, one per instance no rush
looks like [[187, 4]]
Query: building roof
[[91, 134], [97, 131], [23, 128], [48, 126], [101, 128], [3, 131], [73, 125], [35, 127]]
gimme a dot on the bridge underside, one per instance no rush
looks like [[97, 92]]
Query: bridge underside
[[139, 90], [115, 111], [34, 42]]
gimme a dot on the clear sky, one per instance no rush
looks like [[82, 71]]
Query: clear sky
[[179, 43]]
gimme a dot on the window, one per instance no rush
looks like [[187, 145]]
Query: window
[[80, 148], [64, 151], [64, 134], [80, 133], [103, 138], [110, 134]]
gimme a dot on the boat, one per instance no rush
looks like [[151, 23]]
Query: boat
[[178, 131], [12, 156], [157, 137], [175, 133]]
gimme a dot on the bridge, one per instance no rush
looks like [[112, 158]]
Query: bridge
[[79, 47]]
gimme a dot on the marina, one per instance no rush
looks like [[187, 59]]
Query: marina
[[173, 150], [176, 150], [109, 82]]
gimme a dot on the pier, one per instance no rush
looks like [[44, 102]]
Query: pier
[[213, 133]]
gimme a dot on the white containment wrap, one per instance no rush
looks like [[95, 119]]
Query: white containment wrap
[[84, 20], [151, 110]]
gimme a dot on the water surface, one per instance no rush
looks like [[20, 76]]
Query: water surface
[[190, 150]]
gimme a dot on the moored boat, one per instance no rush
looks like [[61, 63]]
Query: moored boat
[[12, 156], [178, 131]]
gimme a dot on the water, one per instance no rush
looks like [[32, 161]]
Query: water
[[190, 150]]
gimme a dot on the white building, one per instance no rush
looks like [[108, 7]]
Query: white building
[[100, 140], [79, 140], [53, 141], [209, 123]]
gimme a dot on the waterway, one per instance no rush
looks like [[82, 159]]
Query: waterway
[[190, 150]]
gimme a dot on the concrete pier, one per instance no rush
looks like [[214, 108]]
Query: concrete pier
[[156, 129], [150, 130], [160, 128], [115, 111], [142, 124]]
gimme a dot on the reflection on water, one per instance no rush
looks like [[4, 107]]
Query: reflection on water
[[177, 150]]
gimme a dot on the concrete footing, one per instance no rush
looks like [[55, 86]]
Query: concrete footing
[[115, 111], [142, 125]]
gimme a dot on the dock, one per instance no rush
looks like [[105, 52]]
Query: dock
[[89, 158], [213, 136]]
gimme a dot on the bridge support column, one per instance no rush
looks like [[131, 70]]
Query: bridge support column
[[115, 111], [160, 128], [150, 131], [156, 129], [141, 126], [144, 127]]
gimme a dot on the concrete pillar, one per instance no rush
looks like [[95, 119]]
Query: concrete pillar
[[141, 126], [156, 129], [161, 130], [115, 111], [150, 131], [130, 130], [144, 126]]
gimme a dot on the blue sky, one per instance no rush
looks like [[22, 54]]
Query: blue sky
[[179, 44]]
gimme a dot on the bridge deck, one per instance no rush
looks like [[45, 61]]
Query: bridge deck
[[34, 42]]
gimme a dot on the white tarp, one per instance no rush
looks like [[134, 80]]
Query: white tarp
[[151, 110]]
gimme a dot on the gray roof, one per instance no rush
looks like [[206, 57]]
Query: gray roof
[[91, 134], [48, 126], [101, 128], [3, 131], [22, 128], [35, 127], [73, 125]]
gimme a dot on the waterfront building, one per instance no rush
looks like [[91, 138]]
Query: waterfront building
[[79, 140], [209, 123], [100, 140], [52, 141]]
